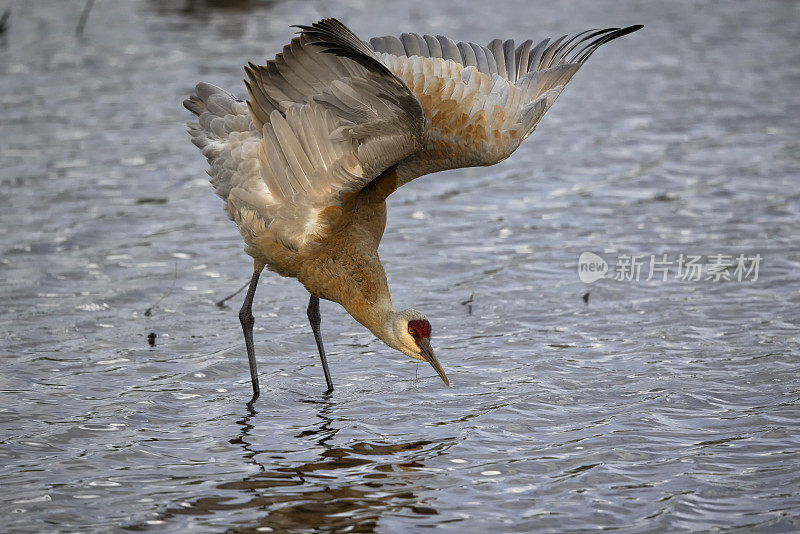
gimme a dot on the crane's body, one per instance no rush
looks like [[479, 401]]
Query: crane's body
[[334, 125], [345, 267]]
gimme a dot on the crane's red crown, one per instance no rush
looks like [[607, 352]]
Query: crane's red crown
[[419, 329]]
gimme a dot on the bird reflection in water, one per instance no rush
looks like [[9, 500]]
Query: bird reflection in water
[[344, 487]]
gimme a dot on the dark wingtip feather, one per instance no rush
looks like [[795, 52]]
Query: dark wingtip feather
[[606, 35], [336, 38], [625, 31]]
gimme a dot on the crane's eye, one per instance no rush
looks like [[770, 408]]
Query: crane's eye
[[411, 330]]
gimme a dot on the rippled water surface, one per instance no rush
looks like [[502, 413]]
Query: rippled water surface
[[656, 405]]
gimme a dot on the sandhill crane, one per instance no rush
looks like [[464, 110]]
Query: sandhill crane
[[334, 125]]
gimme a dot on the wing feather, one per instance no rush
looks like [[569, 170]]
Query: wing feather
[[434, 46], [480, 58], [511, 62], [496, 47], [449, 49], [535, 55], [482, 102], [522, 55], [468, 54], [410, 45]]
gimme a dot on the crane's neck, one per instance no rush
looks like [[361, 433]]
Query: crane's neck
[[380, 318]]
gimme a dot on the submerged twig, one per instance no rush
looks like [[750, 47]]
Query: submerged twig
[[149, 310], [4, 20], [468, 303], [221, 303]]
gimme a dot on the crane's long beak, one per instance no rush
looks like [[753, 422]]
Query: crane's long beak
[[430, 357]]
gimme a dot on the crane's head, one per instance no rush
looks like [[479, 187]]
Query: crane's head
[[411, 334]]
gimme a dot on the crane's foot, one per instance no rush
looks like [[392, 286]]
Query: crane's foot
[[315, 319]]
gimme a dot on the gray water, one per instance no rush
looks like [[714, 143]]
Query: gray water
[[656, 405]]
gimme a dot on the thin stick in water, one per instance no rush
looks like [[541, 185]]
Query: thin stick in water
[[87, 7], [221, 303], [149, 310], [4, 20]]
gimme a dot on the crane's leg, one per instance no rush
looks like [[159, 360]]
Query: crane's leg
[[247, 320], [315, 320]]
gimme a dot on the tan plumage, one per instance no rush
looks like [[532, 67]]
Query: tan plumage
[[334, 125]]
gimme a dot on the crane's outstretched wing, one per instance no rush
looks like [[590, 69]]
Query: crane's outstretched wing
[[323, 119], [482, 101]]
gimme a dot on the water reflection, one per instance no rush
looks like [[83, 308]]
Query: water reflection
[[349, 486], [198, 7], [224, 19]]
